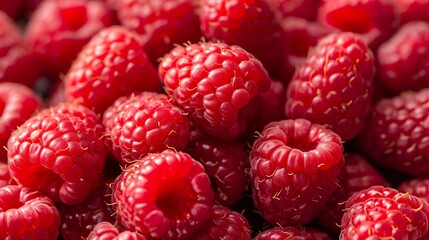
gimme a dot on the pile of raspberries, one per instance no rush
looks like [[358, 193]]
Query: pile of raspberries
[[214, 119]]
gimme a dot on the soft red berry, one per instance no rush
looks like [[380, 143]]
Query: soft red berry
[[292, 233], [412, 10], [418, 187], [5, 178], [107, 231]]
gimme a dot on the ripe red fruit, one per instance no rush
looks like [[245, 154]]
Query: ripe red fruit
[[292, 233], [305, 9], [164, 195], [381, 212], [5, 178], [27, 214], [213, 83], [107, 231], [294, 169], [60, 152], [412, 10], [418, 187], [334, 85], [111, 65]]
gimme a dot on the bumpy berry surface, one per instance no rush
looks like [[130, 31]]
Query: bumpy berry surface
[[60, 152], [412, 10], [395, 135], [381, 213], [107, 231], [58, 30], [164, 195], [212, 82], [250, 24], [292, 233], [5, 178], [333, 87], [294, 169], [418, 187], [145, 123], [404, 59], [27, 214], [111, 65], [160, 24]]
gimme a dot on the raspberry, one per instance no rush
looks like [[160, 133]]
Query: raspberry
[[106, 231], [17, 104], [224, 224], [294, 170], [27, 214], [226, 163], [292, 233], [250, 24], [381, 213], [395, 135], [160, 24], [356, 175], [404, 59], [418, 187], [334, 85], [374, 20], [212, 82], [110, 66], [5, 178], [306, 9], [412, 10], [145, 123], [165, 195], [60, 152], [77, 221]]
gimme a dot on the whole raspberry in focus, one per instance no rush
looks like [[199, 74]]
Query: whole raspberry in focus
[[5, 178], [356, 175], [164, 195], [404, 59], [305, 9], [250, 24], [107, 231], [224, 224], [292, 233], [145, 123], [213, 83], [77, 221], [294, 169], [418, 187], [412, 10], [111, 65], [60, 152], [27, 214], [160, 24], [374, 20], [58, 30], [333, 87], [395, 135], [384, 213], [17, 104]]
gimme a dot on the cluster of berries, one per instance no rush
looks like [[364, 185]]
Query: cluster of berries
[[214, 119]]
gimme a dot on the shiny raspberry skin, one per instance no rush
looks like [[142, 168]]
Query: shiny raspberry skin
[[333, 87], [27, 214], [17, 104], [224, 224], [292, 233], [418, 187], [404, 59], [212, 82], [107, 231], [160, 24], [5, 178], [164, 195], [381, 212], [412, 10], [60, 152], [294, 169], [146, 123], [58, 30], [111, 65], [395, 135], [250, 24]]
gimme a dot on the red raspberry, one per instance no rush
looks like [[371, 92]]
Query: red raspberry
[[374, 20], [412, 10], [294, 170], [226, 163], [250, 24], [106, 231], [306, 9], [17, 104], [111, 65], [27, 214], [5, 178], [77, 221], [60, 152], [384, 213], [160, 24], [224, 224], [334, 85], [418, 187], [145, 123], [292, 233], [58, 30], [404, 59], [165, 195], [356, 175], [395, 135], [213, 82]]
